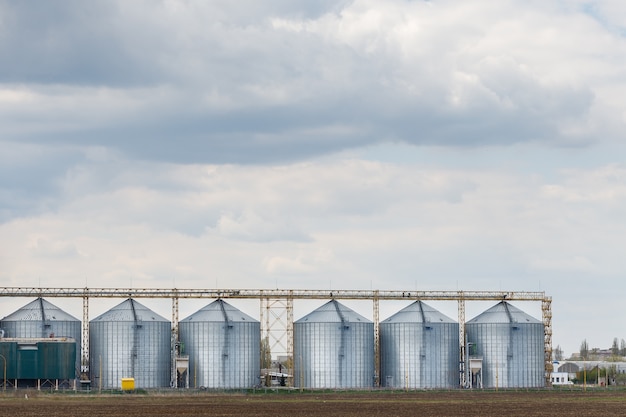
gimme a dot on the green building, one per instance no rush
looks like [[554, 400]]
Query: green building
[[37, 362]]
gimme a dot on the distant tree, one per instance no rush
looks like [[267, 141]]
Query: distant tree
[[591, 375], [289, 364], [611, 374], [615, 347], [557, 354], [584, 350], [622, 348], [620, 379], [266, 353]]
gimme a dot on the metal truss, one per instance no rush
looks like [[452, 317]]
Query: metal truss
[[276, 310], [258, 294], [277, 324]]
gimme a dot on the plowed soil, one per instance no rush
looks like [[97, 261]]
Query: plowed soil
[[405, 404]]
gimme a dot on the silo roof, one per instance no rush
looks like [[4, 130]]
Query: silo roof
[[504, 312], [130, 310], [419, 312], [333, 312], [219, 311], [38, 310]]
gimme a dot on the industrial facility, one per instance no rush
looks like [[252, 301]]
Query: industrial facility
[[219, 346]]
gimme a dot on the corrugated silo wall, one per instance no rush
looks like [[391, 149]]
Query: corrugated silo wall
[[512, 353], [39, 329], [334, 355], [414, 355], [125, 350], [222, 355]]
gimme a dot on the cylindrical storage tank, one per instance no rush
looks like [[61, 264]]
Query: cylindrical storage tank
[[42, 319], [223, 345], [419, 348], [130, 341], [511, 345], [333, 348]]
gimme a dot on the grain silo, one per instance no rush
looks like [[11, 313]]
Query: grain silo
[[419, 349], [510, 344], [223, 345], [333, 348], [130, 341], [42, 319]]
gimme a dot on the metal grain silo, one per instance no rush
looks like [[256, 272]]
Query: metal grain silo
[[511, 346], [130, 341], [42, 319], [223, 345], [419, 349], [333, 348]]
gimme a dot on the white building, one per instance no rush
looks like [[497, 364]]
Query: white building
[[560, 378]]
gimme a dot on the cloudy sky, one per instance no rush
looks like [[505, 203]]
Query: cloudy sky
[[432, 145]]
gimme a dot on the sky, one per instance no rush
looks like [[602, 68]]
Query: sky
[[393, 145]]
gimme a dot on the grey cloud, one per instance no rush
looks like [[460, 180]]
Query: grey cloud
[[70, 42], [123, 44], [29, 178], [218, 83]]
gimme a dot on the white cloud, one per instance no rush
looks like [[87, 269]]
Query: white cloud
[[43, 247], [250, 226], [575, 264], [582, 186], [361, 212], [280, 265]]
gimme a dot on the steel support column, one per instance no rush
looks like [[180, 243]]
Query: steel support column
[[277, 323], [546, 312], [174, 347], [290, 331], [376, 315], [463, 376], [84, 349]]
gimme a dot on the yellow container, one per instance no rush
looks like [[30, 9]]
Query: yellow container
[[128, 384]]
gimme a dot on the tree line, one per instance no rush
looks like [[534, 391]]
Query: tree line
[[618, 352]]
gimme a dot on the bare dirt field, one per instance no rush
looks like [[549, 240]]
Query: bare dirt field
[[404, 404]]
